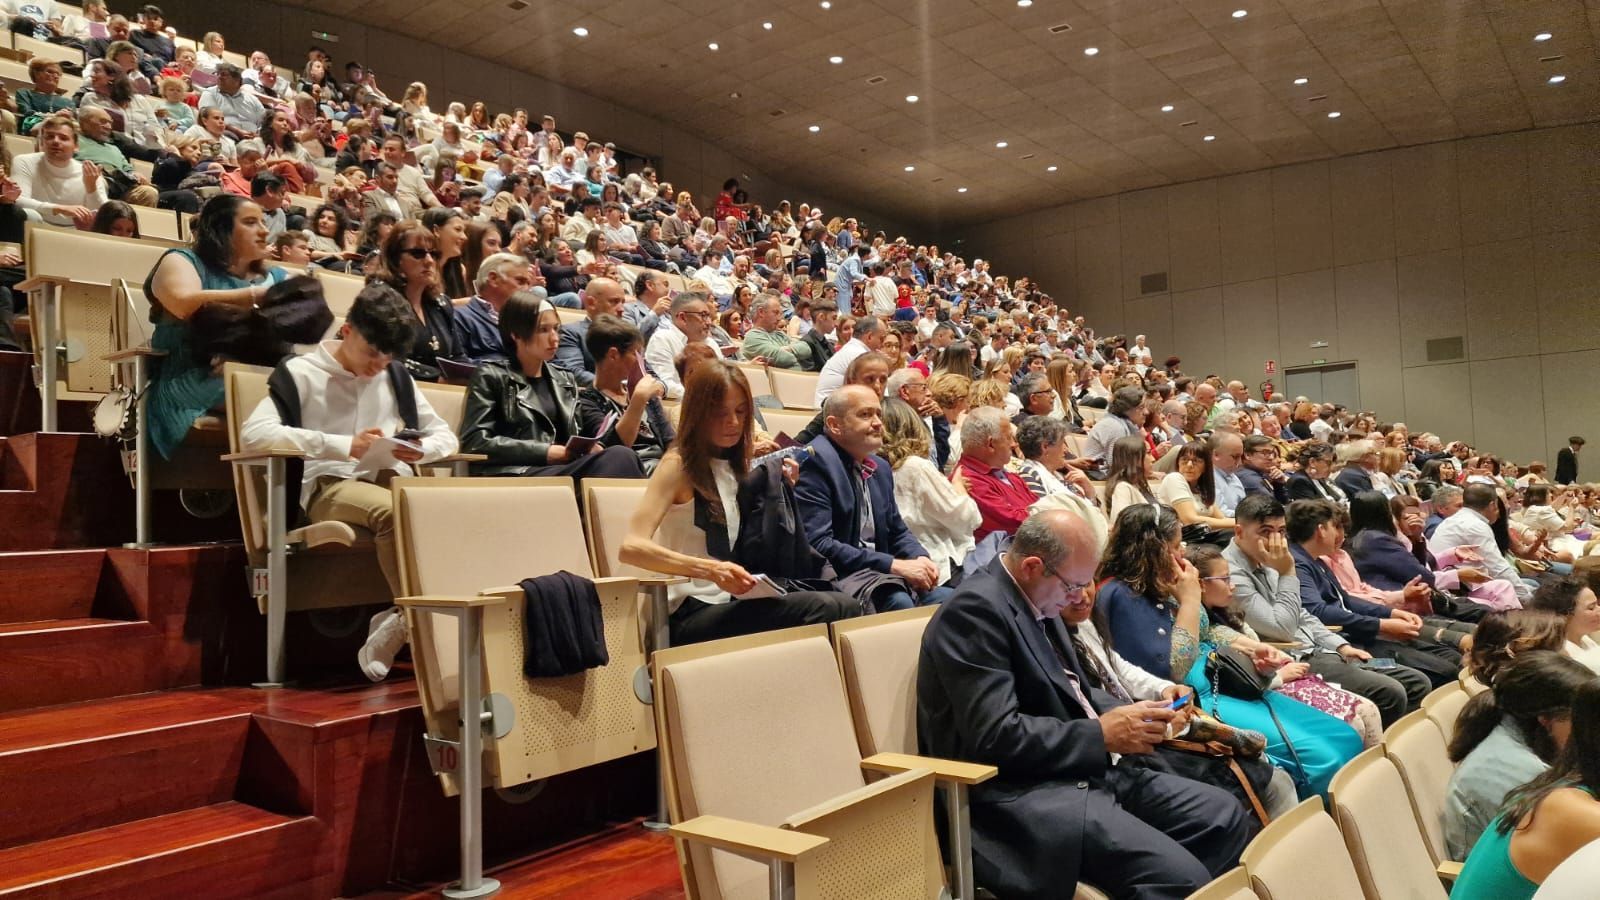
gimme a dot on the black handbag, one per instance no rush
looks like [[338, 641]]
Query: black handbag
[[1233, 673]]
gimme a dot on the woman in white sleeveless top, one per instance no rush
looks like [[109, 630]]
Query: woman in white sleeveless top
[[691, 505]]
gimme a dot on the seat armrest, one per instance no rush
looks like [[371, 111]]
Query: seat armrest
[[1449, 870], [761, 842], [259, 455], [441, 601], [454, 458], [133, 353], [943, 769], [39, 281], [664, 580]]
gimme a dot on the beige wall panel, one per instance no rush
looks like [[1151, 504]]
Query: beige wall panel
[[1150, 316], [1142, 224], [1427, 214], [1369, 332], [1567, 270], [1250, 312], [1493, 173], [1508, 408], [1100, 277], [1244, 204], [1099, 211], [1362, 202], [1565, 178], [1194, 236], [1200, 334], [1502, 315], [1432, 304], [1306, 314], [1439, 399], [1571, 407], [1302, 218]]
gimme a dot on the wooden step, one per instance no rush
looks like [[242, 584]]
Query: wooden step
[[17, 465], [93, 765], [223, 850], [67, 660], [53, 584]]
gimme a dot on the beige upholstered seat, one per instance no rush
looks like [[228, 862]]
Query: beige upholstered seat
[[1385, 843], [467, 536], [795, 390], [1473, 686], [1231, 885], [1300, 856], [757, 729], [878, 658], [1443, 706], [786, 421], [1418, 751], [756, 374]]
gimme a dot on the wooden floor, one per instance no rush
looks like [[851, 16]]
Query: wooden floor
[[621, 863]]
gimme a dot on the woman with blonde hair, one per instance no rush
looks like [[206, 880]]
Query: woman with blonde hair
[[1061, 373], [691, 505], [936, 509]]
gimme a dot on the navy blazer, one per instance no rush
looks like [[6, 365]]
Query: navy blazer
[[1322, 596], [1386, 562], [1256, 483], [992, 689], [477, 337], [826, 494], [1141, 628], [1302, 487], [572, 353], [1353, 479]]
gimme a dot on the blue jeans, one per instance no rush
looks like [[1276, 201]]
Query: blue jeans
[[569, 300], [886, 602]]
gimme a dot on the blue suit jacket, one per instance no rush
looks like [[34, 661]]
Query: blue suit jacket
[[1322, 596], [572, 353], [831, 516], [1353, 479], [478, 338], [1256, 483]]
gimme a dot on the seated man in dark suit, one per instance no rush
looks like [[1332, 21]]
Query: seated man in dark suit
[[846, 502], [601, 297], [1260, 473], [478, 322], [1361, 461], [824, 316], [999, 682], [1316, 528]]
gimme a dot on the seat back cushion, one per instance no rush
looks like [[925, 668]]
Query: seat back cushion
[[880, 670], [1306, 862], [1420, 753], [1381, 834]]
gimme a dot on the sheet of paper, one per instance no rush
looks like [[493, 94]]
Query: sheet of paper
[[380, 455], [765, 587]]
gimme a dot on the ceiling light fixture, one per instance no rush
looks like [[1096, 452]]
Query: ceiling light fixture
[[1240, 13], [836, 59], [1000, 145], [1556, 79], [912, 98], [1302, 80], [961, 190], [1168, 108], [1335, 114], [1543, 36], [580, 31], [911, 168], [1091, 51], [815, 128], [825, 4], [1049, 168], [1209, 138], [712, 46], [767, 25], [1024, 3]]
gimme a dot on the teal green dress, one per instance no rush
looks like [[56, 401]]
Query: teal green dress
[[181, 389], [1489, 873]]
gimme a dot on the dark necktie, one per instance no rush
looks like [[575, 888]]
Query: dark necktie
[[1069, 667], [1098, 675]]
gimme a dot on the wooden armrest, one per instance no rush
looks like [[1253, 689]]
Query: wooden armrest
[[1283, 645], [748, 839], [943, 769], [440, 601], [133, 353], [1450, 870], [663, 580], [39, 281], [258, 455], [1335, 628], [457, 457]]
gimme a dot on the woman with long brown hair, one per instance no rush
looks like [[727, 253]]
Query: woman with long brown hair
[[689, 517]]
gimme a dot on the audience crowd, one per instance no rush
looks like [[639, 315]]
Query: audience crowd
[[1126, 556]]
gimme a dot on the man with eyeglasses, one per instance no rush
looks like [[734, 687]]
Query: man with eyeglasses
[[1261, 472], [911, 386], [999, 681], [690, 323], [1037, 396]]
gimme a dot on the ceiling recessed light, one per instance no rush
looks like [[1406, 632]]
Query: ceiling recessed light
[[767, 25], [1543, 36], [1090, 51], [1024, 3], [712, 46], [825, 4], [961, 190], [1302, 80], [1168, 108], [815, 128], [1049, 168], [581, 31], [1208, 138], [1240, 13], [912, 98], [1335, 114], [1000, 145], [1556, 79], [836, 59], [911, 168], [735, 95]]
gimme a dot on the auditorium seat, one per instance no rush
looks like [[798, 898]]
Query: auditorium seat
[[794, 389], [786, 421], [1231, 885], [1471, 685], [1301, 856], [1419, 752], [1380, 830], [765, 775], [1444, 705]]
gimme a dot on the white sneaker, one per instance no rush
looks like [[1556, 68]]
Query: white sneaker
[[386, 635]]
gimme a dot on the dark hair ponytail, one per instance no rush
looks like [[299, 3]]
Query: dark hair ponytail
[[1538, 684], [1578, 766]]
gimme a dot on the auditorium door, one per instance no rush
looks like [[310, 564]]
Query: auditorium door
[[1335, 383]]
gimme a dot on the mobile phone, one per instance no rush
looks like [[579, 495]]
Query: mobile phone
[[1181, 702], [409, 435], [1379, 662]]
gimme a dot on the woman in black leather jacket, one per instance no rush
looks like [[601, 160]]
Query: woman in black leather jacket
[[522, 414]]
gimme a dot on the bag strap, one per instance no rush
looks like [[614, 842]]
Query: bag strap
[[1303, 779], [405, 393], [1249, 791], [1224, 752]]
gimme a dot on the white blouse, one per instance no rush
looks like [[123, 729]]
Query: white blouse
[[942, 517]]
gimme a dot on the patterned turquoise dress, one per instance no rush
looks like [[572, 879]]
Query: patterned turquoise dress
[[181, 389]]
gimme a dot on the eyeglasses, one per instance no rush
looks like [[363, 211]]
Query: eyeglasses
[[1071, 588], [1050, 391], [420, 253], [702, 314], [1222, 578]]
